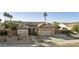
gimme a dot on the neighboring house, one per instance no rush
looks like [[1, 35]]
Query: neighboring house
[[22, 30], [70, 25], [45, 29], [62, 26], [67, 25]]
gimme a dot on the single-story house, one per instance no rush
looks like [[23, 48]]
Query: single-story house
[[30, 28], [45, 29]]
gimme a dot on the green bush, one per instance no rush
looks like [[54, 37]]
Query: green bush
[[11, 25], [35, 33], [75, 28]]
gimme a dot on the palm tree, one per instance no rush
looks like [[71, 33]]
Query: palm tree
[[10, 16], [45, 14], [5, 15]]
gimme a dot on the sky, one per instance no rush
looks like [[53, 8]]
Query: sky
[[38, 16]]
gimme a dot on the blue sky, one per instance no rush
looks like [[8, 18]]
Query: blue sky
[[38, 16]]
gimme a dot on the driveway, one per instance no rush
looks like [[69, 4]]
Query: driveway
[[65, 43], [42, 42]]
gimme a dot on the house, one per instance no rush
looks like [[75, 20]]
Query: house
[[30, 28], [45, 29], [67, 25], [62, 26]]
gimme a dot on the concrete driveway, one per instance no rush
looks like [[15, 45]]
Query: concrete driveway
[[65, 43]]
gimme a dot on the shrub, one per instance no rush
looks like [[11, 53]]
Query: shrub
[[75, 28], [11, 25]]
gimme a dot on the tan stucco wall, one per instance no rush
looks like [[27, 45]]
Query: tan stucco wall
[[45, 31]]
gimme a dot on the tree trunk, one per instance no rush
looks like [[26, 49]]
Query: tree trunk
[[45, 19], [5, 18], [10, 19]]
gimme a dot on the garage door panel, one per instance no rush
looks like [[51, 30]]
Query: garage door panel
[[23, 32], [46, 32]]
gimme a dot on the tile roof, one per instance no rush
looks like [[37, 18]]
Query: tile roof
[[45, 25], [23, 26]]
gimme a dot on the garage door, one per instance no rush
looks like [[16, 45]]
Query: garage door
[[46, 33], [23, 32]]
